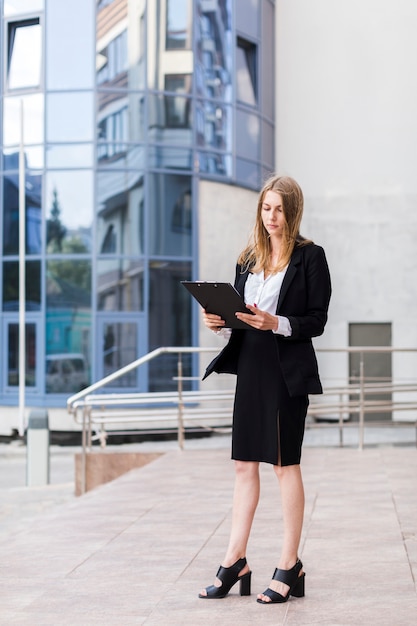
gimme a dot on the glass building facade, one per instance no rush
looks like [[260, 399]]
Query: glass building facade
[[127, 106]]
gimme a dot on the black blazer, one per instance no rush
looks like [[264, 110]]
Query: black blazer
[[304, 299]]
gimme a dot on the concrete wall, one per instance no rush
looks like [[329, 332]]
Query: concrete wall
[[347, 131], [225, 218]]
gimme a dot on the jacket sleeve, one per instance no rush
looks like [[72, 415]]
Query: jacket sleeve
[[311, 317]]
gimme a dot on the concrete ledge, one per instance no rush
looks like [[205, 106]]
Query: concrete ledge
[[102, 466]]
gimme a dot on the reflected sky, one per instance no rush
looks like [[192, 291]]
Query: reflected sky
[[16, 7]]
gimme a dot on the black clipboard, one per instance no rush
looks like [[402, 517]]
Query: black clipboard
[[219, 298]]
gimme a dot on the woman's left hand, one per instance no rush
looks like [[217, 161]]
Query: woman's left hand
[[261, 320]]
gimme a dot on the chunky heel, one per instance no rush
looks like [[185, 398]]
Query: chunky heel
[[298, 591], [228, 577], [245, 582], [290, 577]]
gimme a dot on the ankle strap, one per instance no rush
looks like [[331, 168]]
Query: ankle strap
[[288, 576]]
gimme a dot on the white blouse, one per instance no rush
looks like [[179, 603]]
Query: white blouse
[[264, 292]]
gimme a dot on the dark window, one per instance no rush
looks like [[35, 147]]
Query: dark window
[[177, 24], [113, 60], [24, 54], [177, 108], [246, 72]]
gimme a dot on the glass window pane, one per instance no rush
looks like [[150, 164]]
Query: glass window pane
[[18, 7], [11, 214], [69, 155], [13, 355], [248, 173], [170, 219], [126, 156], [178, 24], [33, 115], [120, 118], [119, 285], [170, 120], [11, 286], [68, 325], [213, 125], [247, 21], [33, 158], [69, 45], [167, 294], [120, 347], [167, 157], [120, 203], [215, 163], [24, 70], [213, 66], [248, 140], [70, 117], [268, 144], [112, 61], [69, 212], [246, 72]]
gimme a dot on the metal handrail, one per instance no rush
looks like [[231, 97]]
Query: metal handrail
[[85, 399]]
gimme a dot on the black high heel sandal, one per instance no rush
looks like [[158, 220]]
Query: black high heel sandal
[[229, 576], [290, 577]]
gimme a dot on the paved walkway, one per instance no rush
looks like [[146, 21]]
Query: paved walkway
[[137, 550]]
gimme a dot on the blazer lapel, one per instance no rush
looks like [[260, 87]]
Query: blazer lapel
[[289, 276], [240, 286]]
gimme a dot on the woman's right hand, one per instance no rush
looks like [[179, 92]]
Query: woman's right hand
[[213, 322]]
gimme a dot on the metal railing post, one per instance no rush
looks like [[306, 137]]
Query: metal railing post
[[341, 421], [180, 404], [84, 453], [361, 402]]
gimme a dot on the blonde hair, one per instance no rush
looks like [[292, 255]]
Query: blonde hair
[[256, 255]]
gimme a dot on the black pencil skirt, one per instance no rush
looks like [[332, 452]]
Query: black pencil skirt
[[268, 425]]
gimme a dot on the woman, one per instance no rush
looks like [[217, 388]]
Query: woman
[[285, 282]]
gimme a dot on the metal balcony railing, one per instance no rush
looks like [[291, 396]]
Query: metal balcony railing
[[212, 409]]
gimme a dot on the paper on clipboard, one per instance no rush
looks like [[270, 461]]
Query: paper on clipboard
[[219, 298]]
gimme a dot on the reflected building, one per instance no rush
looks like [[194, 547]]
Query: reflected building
[[144, 120]]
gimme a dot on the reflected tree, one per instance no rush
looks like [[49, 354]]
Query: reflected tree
[[55, 230]]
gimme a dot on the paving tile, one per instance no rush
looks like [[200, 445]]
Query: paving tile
[[139, 549]]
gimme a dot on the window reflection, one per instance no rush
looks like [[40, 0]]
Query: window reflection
[[69, 155], [33, 115], [33, 202], [11, 285], [69, 58], [215, 163], [170, 220], [167, 295], [213, 63], [112, 62], [113, 132], [213, 125], [34, 158], [248, 173], [177, 108], [70, 117], [119, 285], [170, 119], [246, 75], [69, 212], [120, 201], [18, 7], [13, 355], [120, 347], [68, 325], [248, 141], [178, 24], [24, 70], [168, 157]]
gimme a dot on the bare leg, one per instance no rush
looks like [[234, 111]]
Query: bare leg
[[245, 501], [292, 497]]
